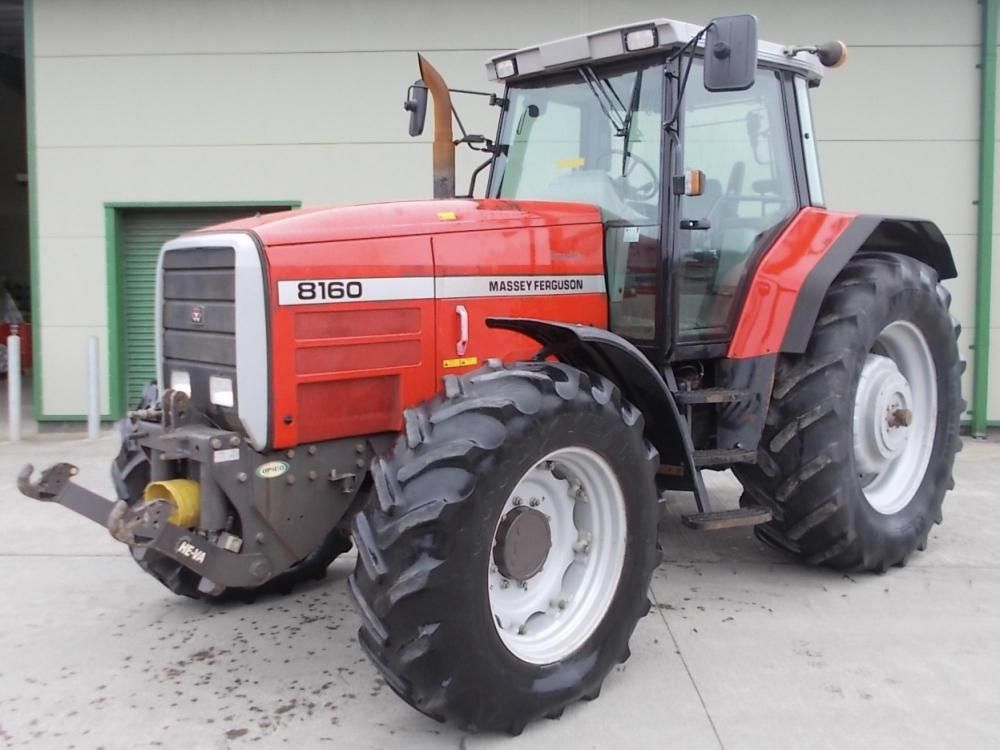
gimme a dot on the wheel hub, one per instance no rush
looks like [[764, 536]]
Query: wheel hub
[[882, 415], [895, 417], [523, 541], [557, 555]]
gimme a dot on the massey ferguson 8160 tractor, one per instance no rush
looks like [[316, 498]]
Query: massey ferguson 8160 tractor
[[489, 396]]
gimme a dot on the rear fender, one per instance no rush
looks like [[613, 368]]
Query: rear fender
[[597, 350], [791, 279], [915, 238]]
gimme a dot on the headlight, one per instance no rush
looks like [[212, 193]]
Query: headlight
[[220, 391], [180, 380], [506, 68]]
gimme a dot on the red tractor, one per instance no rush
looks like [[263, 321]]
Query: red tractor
[[488, 396]]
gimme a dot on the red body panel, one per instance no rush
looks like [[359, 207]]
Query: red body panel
[[409, 218], [774, 289], [549, 251], [348, 369], [351, 368]]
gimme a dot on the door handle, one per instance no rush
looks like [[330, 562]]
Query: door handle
[[463, 330]]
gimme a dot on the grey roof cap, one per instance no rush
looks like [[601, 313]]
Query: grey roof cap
[[609, 44]]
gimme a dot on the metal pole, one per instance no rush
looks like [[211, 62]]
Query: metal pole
[[14, 388], [984, 249], [94, 390]]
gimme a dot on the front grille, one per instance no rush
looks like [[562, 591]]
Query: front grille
[[199, 320]]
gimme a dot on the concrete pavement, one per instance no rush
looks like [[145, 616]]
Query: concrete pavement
[[744, 648]]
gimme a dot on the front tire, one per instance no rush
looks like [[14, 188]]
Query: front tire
[[454, 546], [861, 434]]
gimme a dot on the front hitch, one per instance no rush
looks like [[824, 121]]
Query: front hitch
[[146, 526], [133, 526]]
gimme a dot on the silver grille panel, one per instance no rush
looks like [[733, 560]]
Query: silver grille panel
[[203, 280]]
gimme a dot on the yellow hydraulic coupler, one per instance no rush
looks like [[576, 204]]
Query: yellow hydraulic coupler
[[183, 494]]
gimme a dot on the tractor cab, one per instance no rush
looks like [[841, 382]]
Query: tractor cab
[[696, 144]]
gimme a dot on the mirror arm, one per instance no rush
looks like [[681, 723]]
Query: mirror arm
[[475, 176], [473, 139], [495, 101], [684, 77]]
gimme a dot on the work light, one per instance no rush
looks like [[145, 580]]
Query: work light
[[506, 68], [637, 39]]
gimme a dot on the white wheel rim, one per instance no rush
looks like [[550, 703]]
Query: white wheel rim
[[550, 615], [895, 417]]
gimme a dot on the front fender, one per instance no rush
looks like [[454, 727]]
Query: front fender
[[597, 350]]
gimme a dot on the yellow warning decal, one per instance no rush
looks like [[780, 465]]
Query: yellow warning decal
[[575, 163], [449, 364], [447, 215]]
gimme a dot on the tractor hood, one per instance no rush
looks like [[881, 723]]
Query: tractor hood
[[370, 221]]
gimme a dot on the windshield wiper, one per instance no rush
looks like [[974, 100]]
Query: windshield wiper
[[622, 123], [633, 107], [600, 90]]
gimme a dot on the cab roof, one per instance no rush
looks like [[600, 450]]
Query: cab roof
[[609, 44]]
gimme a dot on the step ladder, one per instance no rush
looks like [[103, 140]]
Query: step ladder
[[707, 518]]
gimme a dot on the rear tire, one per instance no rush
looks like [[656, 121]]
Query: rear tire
[[130, 474], [427, 574], [818, 467]]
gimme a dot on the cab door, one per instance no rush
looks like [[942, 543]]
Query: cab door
[[742, 142]]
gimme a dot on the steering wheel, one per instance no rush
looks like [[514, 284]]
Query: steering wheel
[[643, 192]]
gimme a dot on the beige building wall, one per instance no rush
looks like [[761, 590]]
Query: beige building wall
[[160, 101]]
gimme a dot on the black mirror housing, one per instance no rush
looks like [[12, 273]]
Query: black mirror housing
[[731, 53], [416, 105]]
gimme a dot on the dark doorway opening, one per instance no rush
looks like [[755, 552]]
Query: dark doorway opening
[[15, 254]]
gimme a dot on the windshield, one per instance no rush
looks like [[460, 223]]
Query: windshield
[[589, 136]]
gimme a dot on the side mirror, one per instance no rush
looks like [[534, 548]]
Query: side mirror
[[731, 53], [416, 105]]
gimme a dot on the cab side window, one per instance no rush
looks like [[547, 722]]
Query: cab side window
[[740, 141]]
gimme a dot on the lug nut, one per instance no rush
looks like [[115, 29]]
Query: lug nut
[[291, 453], [216, 443], [518, 501], [312, 450], [241, 477], [234, 441], [291, 479], [312, 475], [534, 502], [504, 583]]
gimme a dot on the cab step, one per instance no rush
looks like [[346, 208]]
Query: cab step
[[726, 519], [724, 457], [714, 396]]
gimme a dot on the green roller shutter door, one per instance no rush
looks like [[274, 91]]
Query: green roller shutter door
[[142, 233]]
